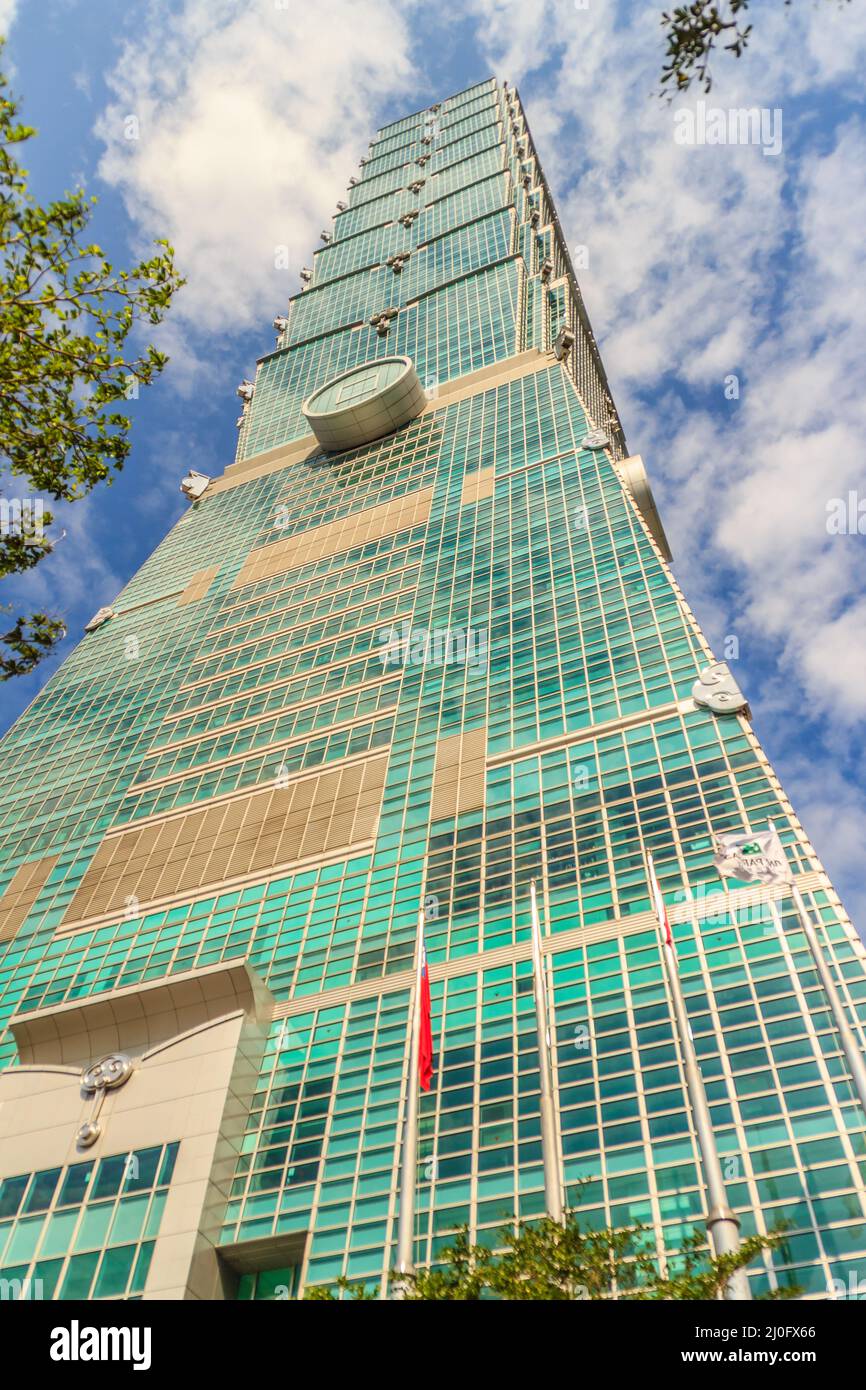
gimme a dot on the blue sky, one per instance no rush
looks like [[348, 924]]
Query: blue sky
[[703, 262]]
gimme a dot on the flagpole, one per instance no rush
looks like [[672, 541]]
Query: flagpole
[[722, 1224], [409, 1157], [549, 1147], [850, 1046]]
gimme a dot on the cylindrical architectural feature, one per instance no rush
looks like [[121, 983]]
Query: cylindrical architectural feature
[[365, 403]]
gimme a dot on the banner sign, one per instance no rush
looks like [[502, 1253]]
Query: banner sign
[[752, 858]]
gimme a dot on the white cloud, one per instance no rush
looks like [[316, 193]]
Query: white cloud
[[707, 261], [75, 577], [249, 121], [518, 37], [710, 260], [832, 806], [7, 15], [703, 261]]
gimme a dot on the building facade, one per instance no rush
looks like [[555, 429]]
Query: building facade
[[419, 644]]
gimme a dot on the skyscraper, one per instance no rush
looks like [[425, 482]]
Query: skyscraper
[[419, 645]]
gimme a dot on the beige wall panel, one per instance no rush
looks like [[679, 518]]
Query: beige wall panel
[[477, 486], [21, 893], [309, 816], [198, 585], [459, 774], [356, 529], [197, 1043]]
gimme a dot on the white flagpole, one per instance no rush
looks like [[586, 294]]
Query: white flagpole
[[409, 1157], [549, 1146], [850, 1046], [723, 1225]]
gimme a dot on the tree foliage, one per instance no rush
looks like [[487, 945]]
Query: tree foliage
[[693, 34], [693, 31], [65, 370], [545, 1261]]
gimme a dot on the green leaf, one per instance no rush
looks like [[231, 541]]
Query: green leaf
[[65, 319]]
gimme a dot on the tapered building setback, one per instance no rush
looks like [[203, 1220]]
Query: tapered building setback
[[416, 649]]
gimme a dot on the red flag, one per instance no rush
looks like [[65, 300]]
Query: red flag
[[659, 904], [425, 1034]]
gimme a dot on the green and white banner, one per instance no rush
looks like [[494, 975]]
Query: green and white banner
[[756, 857]]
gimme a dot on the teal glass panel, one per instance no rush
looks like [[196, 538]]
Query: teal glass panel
[[114, 1271], [79, 1275]]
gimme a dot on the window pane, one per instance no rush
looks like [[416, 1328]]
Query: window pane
[[94, 1226], [114, 1272], [129, 1218], [79, 1276]]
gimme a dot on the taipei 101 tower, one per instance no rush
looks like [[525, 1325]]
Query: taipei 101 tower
[[418, 648]]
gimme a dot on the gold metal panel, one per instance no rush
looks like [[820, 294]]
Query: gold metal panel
[[357, 528], [477, 486], [198, 585], [459, 774], [21, 893], [309, 816]]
